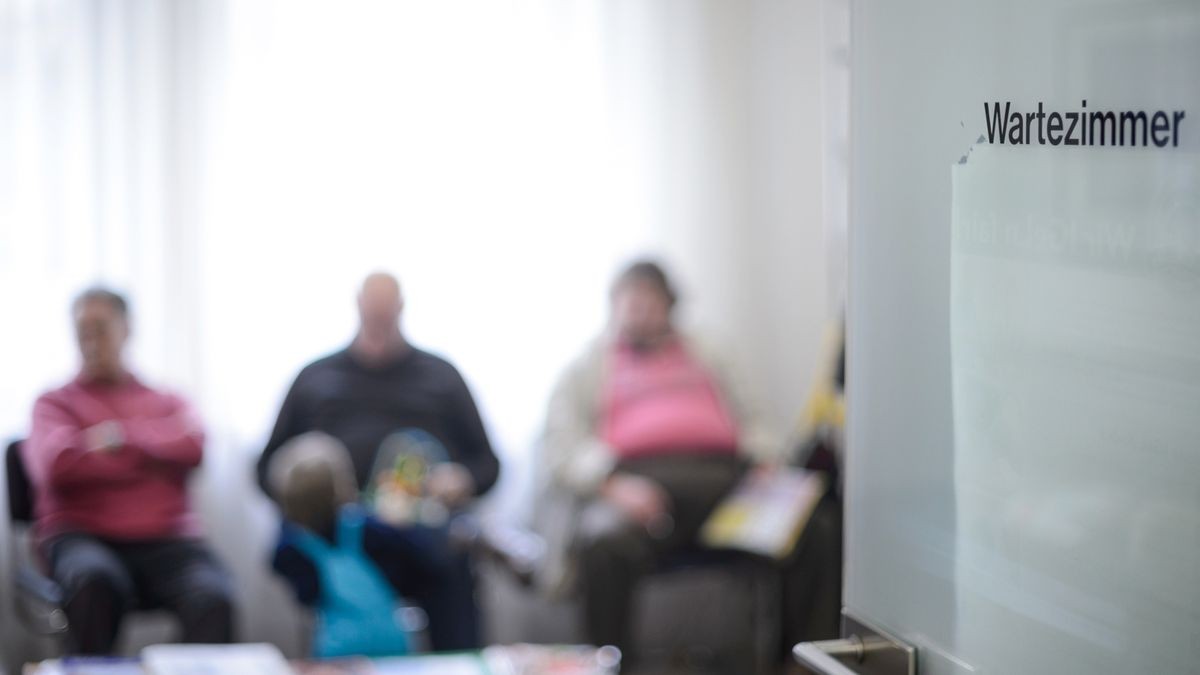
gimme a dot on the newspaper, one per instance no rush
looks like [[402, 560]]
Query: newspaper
[[766, 513]]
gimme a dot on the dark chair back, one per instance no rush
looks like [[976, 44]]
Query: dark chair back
[[20, 490]]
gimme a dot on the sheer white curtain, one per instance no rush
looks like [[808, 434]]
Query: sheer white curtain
[[86, 174], [238, 167], [470, 147], [474, 148]]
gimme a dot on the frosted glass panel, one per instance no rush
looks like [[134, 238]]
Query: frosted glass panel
[[1024, 336]]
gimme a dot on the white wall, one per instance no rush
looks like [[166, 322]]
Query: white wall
[[734, 123]]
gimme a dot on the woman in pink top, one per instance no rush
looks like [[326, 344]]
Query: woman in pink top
[[649, 431], [109, 459]]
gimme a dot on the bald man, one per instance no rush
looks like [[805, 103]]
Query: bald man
[[361, 396]]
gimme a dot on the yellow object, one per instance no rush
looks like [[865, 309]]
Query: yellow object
[[825, 405]]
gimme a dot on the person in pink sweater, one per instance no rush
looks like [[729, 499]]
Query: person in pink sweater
[[109, 459], [646, 433]]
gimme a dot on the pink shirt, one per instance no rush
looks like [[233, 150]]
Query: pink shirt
[[664, 401], [136, 491]]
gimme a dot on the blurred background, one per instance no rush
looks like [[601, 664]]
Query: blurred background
[[238, 167]]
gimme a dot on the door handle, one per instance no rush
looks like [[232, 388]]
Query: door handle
[[819, 656], [866, 651]]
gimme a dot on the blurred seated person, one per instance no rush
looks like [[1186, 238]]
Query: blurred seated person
[[648, 431], [109, 459], [380, 397], [325, 528]]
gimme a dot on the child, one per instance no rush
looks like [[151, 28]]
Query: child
[[356, 606]]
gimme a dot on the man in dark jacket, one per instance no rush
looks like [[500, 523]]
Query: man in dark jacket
[[365, 395]]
